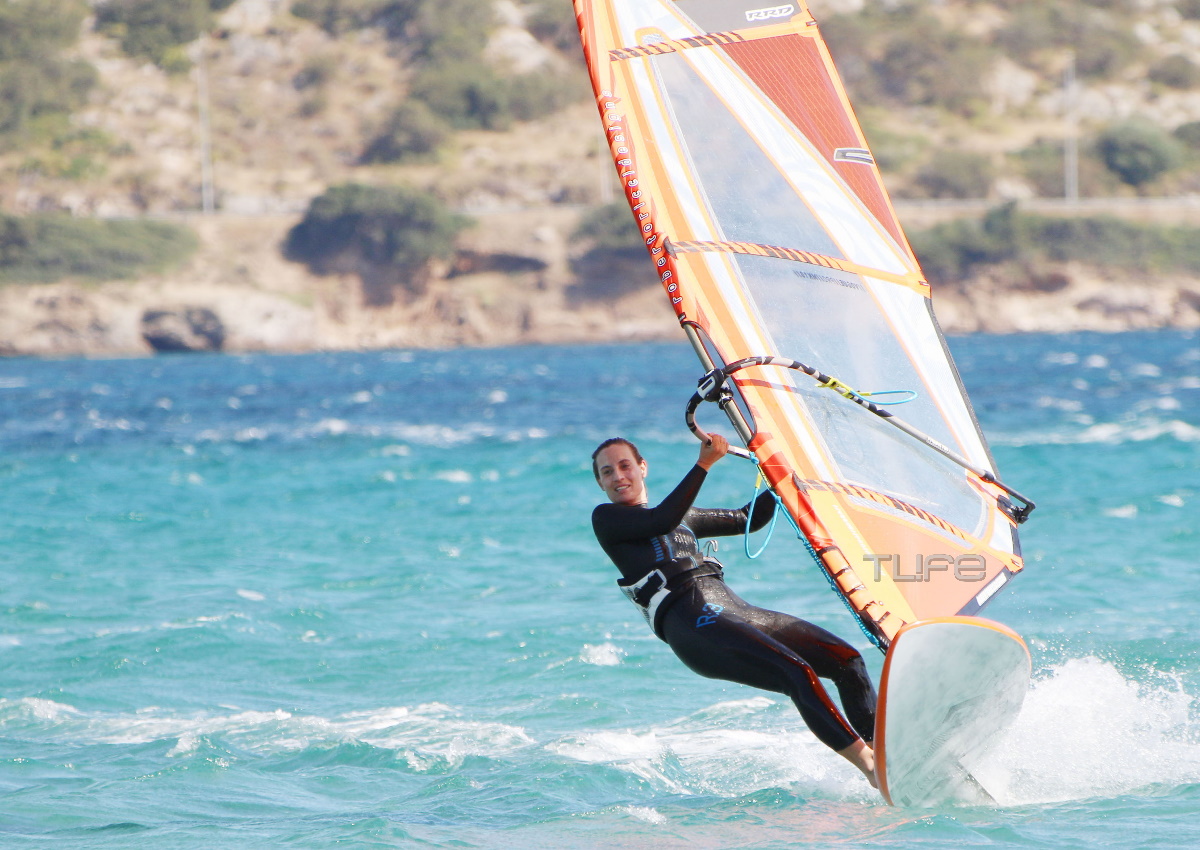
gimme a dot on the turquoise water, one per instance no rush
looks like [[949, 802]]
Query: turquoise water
[[353, 599]]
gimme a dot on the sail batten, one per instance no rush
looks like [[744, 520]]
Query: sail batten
[[765, 216], [913, 279]]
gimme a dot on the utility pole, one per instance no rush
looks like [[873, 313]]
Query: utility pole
[[207, 203], [1071, 143]]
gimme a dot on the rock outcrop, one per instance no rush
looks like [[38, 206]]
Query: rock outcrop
[[183, 329]]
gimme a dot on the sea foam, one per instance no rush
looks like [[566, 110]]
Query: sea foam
[[1086, 730]]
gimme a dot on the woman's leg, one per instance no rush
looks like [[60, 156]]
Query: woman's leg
[[831, 658], [715, 634]]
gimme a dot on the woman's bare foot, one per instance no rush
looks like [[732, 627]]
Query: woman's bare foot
[[861, 756]]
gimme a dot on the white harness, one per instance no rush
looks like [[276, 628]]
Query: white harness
[[647, 593]]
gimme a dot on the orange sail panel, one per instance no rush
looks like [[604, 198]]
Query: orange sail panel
[[772, 233]]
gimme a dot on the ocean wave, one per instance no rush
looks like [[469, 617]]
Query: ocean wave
[[187, 623], [430, 435], [645, 813], [1110, 433], [167, 422], [729, 749], [68, 432], [426, 737], [601, 655], [1086, 731]]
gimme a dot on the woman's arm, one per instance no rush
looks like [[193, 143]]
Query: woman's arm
[[615, 523], [726, 522], [764, 509]]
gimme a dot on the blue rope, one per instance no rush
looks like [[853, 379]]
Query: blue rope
[[750, 515], [874, 639], [912, 394]]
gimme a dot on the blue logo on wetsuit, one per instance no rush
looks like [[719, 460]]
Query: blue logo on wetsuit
[[712, 612]]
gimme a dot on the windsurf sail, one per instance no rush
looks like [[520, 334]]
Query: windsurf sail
[[765, 216]]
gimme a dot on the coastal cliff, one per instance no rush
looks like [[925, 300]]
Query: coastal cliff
[[235, 149], [510, 284]]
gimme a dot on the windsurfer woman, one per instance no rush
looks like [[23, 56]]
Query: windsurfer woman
[[685, 600]]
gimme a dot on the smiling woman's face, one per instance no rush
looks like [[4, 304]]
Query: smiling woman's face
[[622, 476]]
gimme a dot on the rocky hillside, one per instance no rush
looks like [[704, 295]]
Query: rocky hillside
[[274, 109]]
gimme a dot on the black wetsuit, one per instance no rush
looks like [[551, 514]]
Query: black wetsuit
[[716, 633]]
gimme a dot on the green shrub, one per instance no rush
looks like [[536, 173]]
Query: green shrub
[[616, 261], [74, 155], [341, 16], [1175, 71], [431, 30], [40, 94], [903, 54], [456, 83], [412, 134], [447, 32], [1102, 50], [933, 66], [1033, 28], [1138, 152], [467, 95], [1189, 135], [850, 38], [950, 252], [316, 72], [445, 40], [337, 16], [313, 104], [540, 93], [955, 174], [38, 87], [1115, 243], [1043, 164], [553, 22], [155, 29], [892, 151], [47, 248], [312, 81], [1102, 43], [385, 235], [28, 28], [611, 229]]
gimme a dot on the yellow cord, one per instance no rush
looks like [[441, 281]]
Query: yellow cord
[[839, 388]]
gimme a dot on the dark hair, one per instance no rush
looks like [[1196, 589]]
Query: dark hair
[[613, 441]]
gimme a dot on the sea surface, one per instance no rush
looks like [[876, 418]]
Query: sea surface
[[354, 600]]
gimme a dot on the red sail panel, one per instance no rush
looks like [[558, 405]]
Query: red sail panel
[[790, 70]]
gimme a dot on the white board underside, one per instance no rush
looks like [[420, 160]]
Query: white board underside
[[950, 689]]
